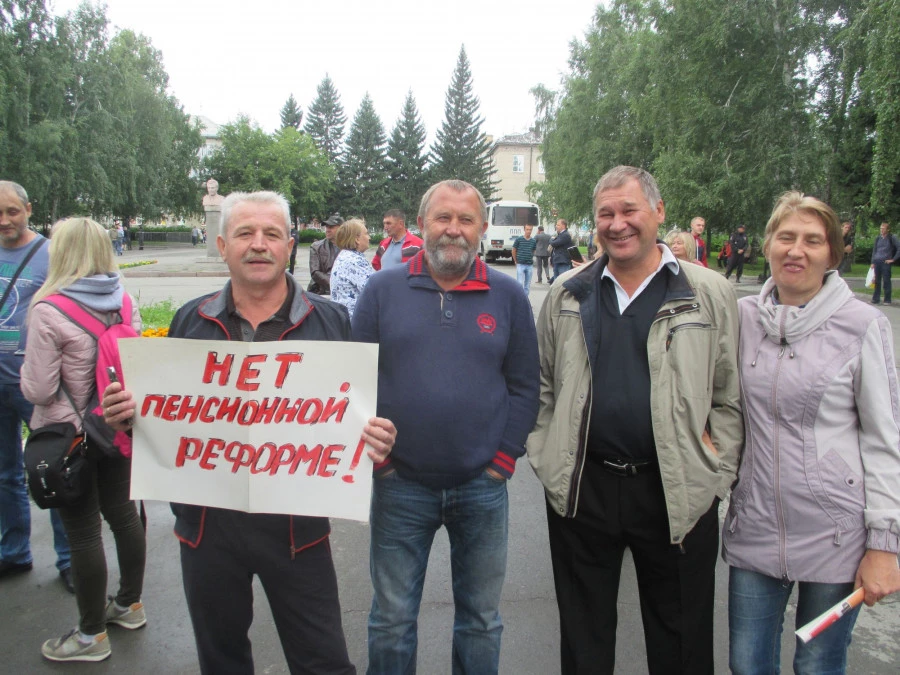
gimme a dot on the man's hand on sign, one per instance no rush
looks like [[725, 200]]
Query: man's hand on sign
[[118, 407], [379, 434]]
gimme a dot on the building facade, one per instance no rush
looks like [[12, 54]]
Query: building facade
[[517, 162]]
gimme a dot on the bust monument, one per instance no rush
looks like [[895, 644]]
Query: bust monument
[[212, 210], [212, 200]]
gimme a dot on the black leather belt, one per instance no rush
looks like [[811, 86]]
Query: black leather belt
[[621, 468]]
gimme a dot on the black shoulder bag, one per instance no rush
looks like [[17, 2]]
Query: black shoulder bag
[[56, 461]]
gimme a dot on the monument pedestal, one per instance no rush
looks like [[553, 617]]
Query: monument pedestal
[[213, 225]]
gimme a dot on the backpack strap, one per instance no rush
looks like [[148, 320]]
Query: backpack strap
[[78, 315]]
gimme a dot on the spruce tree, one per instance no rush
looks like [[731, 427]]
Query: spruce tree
[[325, 120], [462, 150], [291, 115], [407, 158], [363, 171]]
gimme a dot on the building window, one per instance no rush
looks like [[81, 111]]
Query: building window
[[518, 163], [541, 166]]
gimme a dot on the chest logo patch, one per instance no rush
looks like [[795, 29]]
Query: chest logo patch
[[486, 323]]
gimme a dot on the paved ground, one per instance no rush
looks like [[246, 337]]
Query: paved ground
[[35, 606]]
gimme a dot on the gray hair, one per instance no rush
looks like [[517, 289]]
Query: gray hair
[[262, 197], [618, 176], [457, 186], [17, 189]]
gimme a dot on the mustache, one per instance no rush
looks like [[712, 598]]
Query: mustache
[[447, 240], [258, 257]]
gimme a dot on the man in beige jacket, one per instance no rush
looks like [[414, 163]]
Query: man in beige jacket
[[638, 435]]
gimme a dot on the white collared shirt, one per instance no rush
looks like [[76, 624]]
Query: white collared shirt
[[667, 260]]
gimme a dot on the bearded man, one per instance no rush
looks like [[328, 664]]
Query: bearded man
[[463, 409]]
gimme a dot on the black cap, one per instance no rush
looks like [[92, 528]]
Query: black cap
[[334, 220]]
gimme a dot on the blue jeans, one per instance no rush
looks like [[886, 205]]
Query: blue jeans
[[559, 268], [882, 278], [523, 276], [756, 605], [15, 509], [405, 516]]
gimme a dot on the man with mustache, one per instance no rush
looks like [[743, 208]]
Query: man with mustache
[[463, 409], [638, 435], [221, 549]]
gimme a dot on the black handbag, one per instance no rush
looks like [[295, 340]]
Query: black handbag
[[59, 472]]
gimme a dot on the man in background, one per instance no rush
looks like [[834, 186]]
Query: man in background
[[542, 254], [523, 256], [698, 225], [24, 260], [322, 255], [399, 244]]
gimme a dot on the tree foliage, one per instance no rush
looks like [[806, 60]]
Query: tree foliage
[[730, 104], [407, 159], [291, 115], [462, 150], [86, 123], [363, 172], [287, 162], [325, 120]]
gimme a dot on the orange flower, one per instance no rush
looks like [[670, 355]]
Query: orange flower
[[156, 332]]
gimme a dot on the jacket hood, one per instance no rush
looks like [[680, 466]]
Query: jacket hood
[[100, 292], [787, 323]]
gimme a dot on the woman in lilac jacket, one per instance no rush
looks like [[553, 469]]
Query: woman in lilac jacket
[[59, 352], [817, 500]]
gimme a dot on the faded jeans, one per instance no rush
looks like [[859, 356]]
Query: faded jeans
[[15, 509], [756, 605], [523, 276], [405, 516]]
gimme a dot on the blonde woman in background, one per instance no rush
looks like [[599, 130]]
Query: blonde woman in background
[[59, 352], [683, 246], [351, 269]]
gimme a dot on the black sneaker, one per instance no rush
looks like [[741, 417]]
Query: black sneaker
[[8, 569]]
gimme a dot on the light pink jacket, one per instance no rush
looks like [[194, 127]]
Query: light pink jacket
[[55, 347]]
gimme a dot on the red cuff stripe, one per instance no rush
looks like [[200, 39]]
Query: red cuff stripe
[[505, 461]]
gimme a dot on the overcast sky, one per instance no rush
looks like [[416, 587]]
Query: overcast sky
[[230, 57]]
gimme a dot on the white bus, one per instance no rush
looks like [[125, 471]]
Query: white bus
[[506, 221]]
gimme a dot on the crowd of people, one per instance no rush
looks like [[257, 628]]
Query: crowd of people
[[643, 396]]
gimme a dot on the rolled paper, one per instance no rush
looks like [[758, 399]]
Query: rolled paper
[[818, 625]]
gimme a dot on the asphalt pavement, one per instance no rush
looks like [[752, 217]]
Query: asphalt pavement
[[36, 607]]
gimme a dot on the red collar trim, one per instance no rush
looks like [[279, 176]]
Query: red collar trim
[[476, 281]]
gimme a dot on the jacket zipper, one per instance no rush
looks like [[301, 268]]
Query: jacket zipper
[[779, 506], [673, 330], [582, 437]]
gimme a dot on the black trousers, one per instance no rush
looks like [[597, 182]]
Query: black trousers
[[109, 495], [676, 583], [302, 594], [735, 261]]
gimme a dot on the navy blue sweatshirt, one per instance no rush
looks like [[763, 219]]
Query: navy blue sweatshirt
[[458, 371]]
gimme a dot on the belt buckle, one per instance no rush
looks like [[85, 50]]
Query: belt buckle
[[623, 469]]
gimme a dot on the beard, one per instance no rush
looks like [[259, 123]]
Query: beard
[[449, 256]]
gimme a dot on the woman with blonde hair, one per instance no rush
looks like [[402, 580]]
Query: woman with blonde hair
[[683, 245], [817, 501], [351, 270], [58, 378]]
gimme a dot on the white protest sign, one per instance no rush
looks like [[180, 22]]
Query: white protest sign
[[262, 427]]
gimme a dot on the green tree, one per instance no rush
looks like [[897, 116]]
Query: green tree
[[325, 120], [462, 150], [882, 79], [86, 123], [363, 172], [287, 162], [407, 159], [597, 124], [291, 115]]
